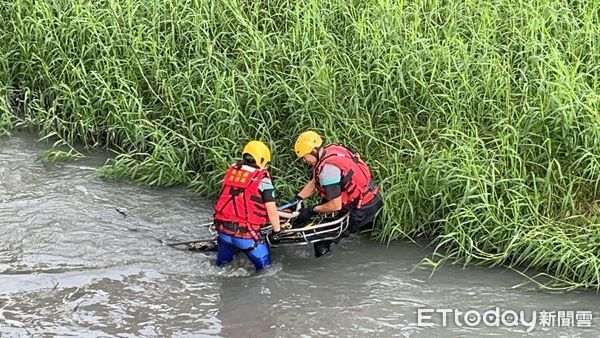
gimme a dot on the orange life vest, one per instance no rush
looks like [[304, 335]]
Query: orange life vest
[[239, 209], [357, 186]]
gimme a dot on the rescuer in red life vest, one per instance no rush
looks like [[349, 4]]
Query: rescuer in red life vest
[[245, 204], [342, 180]]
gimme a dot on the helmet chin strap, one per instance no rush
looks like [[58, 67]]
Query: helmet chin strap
[[316, 152]]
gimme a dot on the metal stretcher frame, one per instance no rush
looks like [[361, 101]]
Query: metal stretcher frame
[[329, 230], [333, 227]]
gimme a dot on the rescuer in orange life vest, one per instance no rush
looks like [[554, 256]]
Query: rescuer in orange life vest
[[245, 204], [342, 180]]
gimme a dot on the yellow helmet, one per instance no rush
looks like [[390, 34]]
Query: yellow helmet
[[259, 152], [307, 142]]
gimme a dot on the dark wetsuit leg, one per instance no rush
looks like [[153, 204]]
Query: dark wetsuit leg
[[364, 218], [322, 248]]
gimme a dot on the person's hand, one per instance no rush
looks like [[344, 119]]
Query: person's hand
[[295, 203], [275, 235], [305, 215]]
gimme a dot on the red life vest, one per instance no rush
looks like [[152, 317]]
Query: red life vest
[[356, 184], [240, 210]]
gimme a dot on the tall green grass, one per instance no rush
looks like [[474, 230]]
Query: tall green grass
[[6, 114], [480, 118]]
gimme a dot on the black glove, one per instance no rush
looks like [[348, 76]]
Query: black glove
[[275, 235], [295, 203], [305, 215]]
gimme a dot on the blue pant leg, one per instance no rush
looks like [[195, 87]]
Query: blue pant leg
[[225, 249], [227, 245], [260, 256]]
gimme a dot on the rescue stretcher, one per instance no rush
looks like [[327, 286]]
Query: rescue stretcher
[[321, 228]]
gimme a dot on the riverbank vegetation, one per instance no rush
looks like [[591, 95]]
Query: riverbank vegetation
[[479, 118]]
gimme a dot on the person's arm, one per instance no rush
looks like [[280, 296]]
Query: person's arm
[[330, 179], [273, 215], [267, 191], [308, 190], [331, 206]]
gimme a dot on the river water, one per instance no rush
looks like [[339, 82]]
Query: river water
[[72, 265]]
